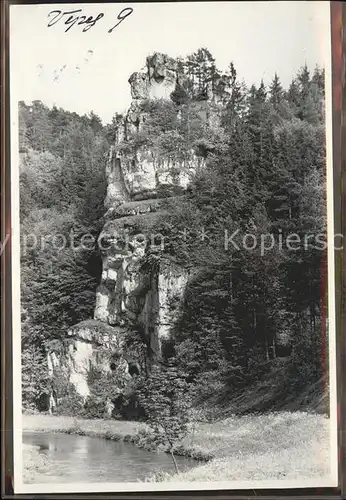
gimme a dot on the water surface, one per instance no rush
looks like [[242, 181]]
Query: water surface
[[82, 459]]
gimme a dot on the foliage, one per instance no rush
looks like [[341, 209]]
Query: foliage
[[264, 175], [71, 403], [35, 379], [259, 168], [62, 187], [166, 402]]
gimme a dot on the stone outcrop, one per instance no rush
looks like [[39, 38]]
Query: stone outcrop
[[134, 292], [159, 80], [92, 346], [140, 290], [141, 175]]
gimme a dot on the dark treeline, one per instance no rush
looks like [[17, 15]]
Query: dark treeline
[[62, 188], [251, 311], [248, 315]]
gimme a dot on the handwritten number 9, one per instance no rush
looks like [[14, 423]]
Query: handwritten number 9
[[121, 17]]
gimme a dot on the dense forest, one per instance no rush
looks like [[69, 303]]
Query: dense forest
[[253, 321]]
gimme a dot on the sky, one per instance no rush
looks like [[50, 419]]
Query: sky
[[83, 71]]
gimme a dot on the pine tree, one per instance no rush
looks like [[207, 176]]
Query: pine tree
[[276, 92]]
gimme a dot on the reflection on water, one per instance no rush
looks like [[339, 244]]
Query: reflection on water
[[81, 459]]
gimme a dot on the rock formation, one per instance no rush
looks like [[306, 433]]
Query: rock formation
[[132, 292], [139, 290]]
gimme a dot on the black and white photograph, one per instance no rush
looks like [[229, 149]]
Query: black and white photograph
[[173, 246]]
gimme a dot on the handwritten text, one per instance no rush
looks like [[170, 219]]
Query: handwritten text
[[73, 17]]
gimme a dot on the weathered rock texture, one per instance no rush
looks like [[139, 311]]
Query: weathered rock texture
[[92, 346], [134, 292], [139, 290]]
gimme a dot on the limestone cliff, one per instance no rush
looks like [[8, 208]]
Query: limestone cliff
[[132, 292], [140, 290], [139, 172]]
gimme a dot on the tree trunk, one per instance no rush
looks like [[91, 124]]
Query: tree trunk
[[264, 319], [174, 461], [266, 346], [274, 347], [254, 305]]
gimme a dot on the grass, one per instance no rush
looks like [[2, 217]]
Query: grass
[[110, 429], [286, 445], [35, 463], [304, 462], [273, 446]]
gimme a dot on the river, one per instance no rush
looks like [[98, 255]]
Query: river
[[81, 459]]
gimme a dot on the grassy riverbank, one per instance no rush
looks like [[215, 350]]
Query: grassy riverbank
[[35, 464], [273, 446], [292, 446], [109, 429]]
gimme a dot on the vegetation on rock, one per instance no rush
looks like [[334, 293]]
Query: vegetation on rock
[[263, 173]]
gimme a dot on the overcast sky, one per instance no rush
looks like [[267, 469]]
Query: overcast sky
[[89, 71]]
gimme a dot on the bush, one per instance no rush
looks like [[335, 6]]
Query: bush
[[94, 407], [165, 398], [71, 404]]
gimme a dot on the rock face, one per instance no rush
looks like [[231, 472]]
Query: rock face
[[136, 292], [158, 82], [139, 290], [139, 173], [92, 346]]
